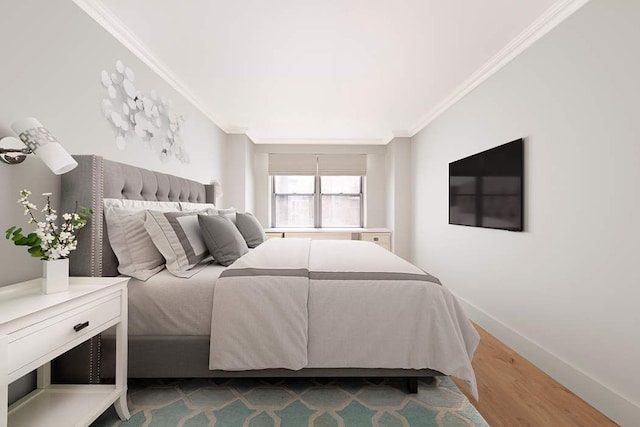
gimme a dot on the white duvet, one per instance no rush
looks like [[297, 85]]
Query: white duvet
[[296, 303]]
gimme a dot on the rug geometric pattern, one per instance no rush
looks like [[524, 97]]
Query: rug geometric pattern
[[294, 402]]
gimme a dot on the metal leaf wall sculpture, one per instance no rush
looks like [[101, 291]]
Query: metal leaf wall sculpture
[[136, 116]]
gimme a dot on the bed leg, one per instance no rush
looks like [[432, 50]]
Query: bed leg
[[412, 384]]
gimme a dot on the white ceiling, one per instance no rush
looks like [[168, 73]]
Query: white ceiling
[[327, 71]]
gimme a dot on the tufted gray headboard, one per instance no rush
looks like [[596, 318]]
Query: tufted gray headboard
[[96, 178]]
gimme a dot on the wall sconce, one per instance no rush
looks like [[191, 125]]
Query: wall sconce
[[39, 141]]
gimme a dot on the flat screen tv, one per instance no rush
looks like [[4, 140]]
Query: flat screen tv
[[486, 189]]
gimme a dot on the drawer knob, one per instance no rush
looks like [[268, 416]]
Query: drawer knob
[[81, 326], [375, 239]]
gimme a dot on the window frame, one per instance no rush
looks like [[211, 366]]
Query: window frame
[[317, 201]]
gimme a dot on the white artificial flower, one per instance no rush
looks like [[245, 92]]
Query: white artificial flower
[[55, 242], [53, 253]]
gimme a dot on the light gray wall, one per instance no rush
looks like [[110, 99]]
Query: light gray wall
[[375, 183], [399, 195], [239, 176], [565, 291], [235, 173], [249, 176], [53, 54], [262, 187]]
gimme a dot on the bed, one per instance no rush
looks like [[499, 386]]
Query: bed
[[175, 333]]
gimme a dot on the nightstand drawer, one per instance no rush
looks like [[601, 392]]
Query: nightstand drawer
[[376, 238], [381, 239], [29, 344]]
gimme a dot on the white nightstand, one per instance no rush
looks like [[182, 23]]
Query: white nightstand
[[35, 328]]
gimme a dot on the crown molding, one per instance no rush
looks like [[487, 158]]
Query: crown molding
[[541, 26], [236, 130], [320, 141], [401, 134], [107, 20]]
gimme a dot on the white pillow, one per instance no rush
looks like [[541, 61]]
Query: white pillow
[[137, 256], [141, 204], [229, 213], [178, 238], [195, 207]]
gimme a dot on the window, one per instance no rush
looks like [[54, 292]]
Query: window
[[317, 201], [341, 201], [293, 202]]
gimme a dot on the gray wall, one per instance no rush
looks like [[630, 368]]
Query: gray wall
[[399, 195], [565, 292], [53, 55], [238, 174]]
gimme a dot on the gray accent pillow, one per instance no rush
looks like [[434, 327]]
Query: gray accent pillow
[[177, 236], [223, 239], [250, 228]]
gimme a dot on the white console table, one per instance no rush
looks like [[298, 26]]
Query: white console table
[[35, 328], [379, 236]]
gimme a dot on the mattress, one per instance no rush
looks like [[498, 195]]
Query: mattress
[[170, 305]]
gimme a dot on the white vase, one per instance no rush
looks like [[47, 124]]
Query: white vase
[[55, 275]]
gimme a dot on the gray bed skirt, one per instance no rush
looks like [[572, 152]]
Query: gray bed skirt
[[182, 357], [188, 357]]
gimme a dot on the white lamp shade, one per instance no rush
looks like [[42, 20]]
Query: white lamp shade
[[23, 125], [56, 158], [44, 145]]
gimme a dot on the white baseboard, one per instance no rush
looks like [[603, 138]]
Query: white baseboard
[[613, 405]]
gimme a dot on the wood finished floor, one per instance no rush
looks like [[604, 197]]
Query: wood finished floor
[[513, 392]]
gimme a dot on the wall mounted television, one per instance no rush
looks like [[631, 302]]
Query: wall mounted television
[[487, 189]]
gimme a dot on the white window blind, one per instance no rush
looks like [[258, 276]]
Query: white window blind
[[318, 164], [342, 164], [292, 164]]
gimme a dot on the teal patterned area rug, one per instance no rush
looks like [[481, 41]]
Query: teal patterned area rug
[[321, 402]]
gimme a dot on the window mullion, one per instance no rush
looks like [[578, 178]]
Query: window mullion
[[318, 204], [273, 201], [361, 201]]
